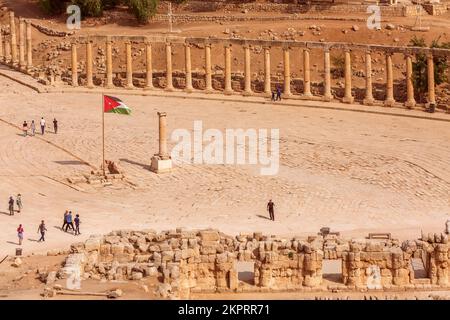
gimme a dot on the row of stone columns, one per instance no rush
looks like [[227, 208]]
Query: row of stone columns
[[327, 95], [18, 55]]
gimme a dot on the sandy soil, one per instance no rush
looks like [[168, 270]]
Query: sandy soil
[[353, 172]]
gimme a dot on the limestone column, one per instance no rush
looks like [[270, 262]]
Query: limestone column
[[74, 65], [161, 162], [348, 98], [188, 67], [228, 90], [29, 45], [109, 63], [431, 89], [389, 102], [89, 67], [410, 101], [208, 74], [22, 43], [306, 74], [327, 75], [7, 51], [2, 55], [287, 73], [247, 71], [267, 82], [148, 65], [162, 136], [129, 64], [12, 26], [369, 100], [169, 85]]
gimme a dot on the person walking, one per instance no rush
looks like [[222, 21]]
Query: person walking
[[77, 224], [20, 234], [25, 128], [11, 206], [273, 95], [55, 125], [278, 93], [33, 128], [270, 206], [42, 125], [69, 221], [42, 230], [65, 219], [19, 202]]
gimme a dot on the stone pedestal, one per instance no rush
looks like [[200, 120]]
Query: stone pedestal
[[160, 165]]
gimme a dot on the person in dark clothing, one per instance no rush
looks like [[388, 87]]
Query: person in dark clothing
[[11, 206], [55, 125], [77, 224], [65, 219], [278, 93], [270, 206], [69, 221], [42, 230], [273, 95]]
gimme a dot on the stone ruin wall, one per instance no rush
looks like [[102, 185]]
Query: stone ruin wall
[[204, 261]]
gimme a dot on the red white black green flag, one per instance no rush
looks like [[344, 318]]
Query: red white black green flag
[[115, 105]]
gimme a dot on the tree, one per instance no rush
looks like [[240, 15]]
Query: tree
[[420, 67]]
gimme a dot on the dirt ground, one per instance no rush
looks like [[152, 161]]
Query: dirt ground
[[353, 172]]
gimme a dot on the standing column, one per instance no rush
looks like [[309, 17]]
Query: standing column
[[22, 43], [389, 102], [89, 73], [348, 98], [161, 162], [148, 66], [208, 74], [188, 67], [109, 63], [410, 101], [306, 74], [287, 73], [129, 65], [162, 136], [12, 26], [29, 45], [2, 55], [169, 85], [228, 90], [267, 82], [431, 92], [74, 65], [248, 70], [327, 70], [7, 51], [369, 100]]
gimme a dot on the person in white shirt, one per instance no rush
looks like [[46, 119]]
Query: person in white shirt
[[42, 125]]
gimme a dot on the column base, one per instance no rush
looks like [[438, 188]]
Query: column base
[[286, 95], [90, 86], [228, 92], [160, 166], [247, 93], [327, 98], [209, 91], [170, 89], [307, 96], [110, 86], [348, 99], [410, 104], [188, 90], [129, 87], [369, 101], [389, 103]]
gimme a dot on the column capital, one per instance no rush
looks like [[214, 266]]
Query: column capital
[[286, 48], [246, 46], [388, 53], [306, 49], [162, 114], [187, 44], [347, 49], [109, 39], [127, 41], [208, 44], [11, 14], [326, 48], [266, 47], [227, 45], [168, 44]]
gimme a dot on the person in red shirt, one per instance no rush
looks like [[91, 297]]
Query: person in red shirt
[[20, 234]]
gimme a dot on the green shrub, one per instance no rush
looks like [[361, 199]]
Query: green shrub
[[143, 9], [52, 6], [90, 8]]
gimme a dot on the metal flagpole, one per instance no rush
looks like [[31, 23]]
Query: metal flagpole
[[103, 134]]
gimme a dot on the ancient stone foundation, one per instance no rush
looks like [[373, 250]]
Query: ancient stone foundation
[[207, 261]]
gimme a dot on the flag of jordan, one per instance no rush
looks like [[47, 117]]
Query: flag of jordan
[[115, 105]]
